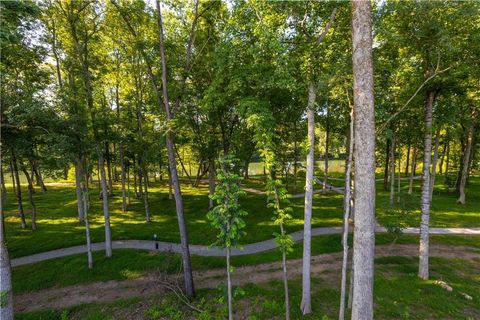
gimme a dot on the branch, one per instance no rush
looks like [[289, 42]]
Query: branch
[[327, 27], [382, 127]]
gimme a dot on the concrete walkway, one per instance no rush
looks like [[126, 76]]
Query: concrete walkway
[[214, 251]]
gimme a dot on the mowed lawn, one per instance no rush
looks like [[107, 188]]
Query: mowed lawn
[[58, 226]]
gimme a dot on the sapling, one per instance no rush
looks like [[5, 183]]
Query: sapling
[[227, 215]]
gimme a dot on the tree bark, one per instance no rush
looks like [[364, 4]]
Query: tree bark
[[414, 169], [106, 212], [38, 176], [122, 168], [84, 189], [466, 160], [109, 169], [307, 228], [211, 183], [447, 161], [346, 216], [387, 165], [434, 162], [364, 154], [21, 213], [327, 140], [145, 196], [398, 173], [442, 159], [30, 196], [188, 277], [78, 190], [425, 197], [392, 170], [407, 165]]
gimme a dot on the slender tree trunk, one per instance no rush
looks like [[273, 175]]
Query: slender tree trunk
[[128, 185], [442, 159], [364, 146], [145, 196], [122, 168], [306, 307], [188, 277], [140, 181], [30, 196], [38, 176], [466, 160], [398, 173], [425, 198], [106, 212], [295, 164], [414, 169], [434, 162], [327, 141], [211, 182], [392, 170], [387, 165], [447, 160], [229, 286], [21, 213], [109, 169], [135, 190], [87, 224], [346, 216], [285, 279], [78, 190], [407, 165]]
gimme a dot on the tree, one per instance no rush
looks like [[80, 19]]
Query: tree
[[227, 216], [364, 154]]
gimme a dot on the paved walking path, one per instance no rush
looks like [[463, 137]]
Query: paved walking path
[[212, 252]]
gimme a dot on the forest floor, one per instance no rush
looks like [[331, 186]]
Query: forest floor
[[325, 267]]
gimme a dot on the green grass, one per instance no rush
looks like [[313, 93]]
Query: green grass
[[398, 294], [58, 226]]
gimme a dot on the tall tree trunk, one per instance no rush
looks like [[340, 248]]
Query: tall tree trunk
[[447, 160], [145, 196], [466, 160], [346, 216], [364, 171], [30, 196], [6, 295], [38, 175], [21, 213], [106, 212], [122, 168], [84, 189], [327, 141], [407, 165], [425, 198], [434, 162], [442, 159], [78, 190], [128, 185], [392, 170], [109, 169], [211, 183], [307, 227], [295, 164], [398, 173], [414, 169], [188, 277], [140, 181], [387, 165]]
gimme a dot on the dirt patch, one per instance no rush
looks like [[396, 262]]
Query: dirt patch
[[322, 266]]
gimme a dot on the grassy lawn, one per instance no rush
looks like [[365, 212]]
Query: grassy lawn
[[58, 226], [398, 294]]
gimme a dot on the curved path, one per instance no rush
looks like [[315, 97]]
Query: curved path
[[214, 251]]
